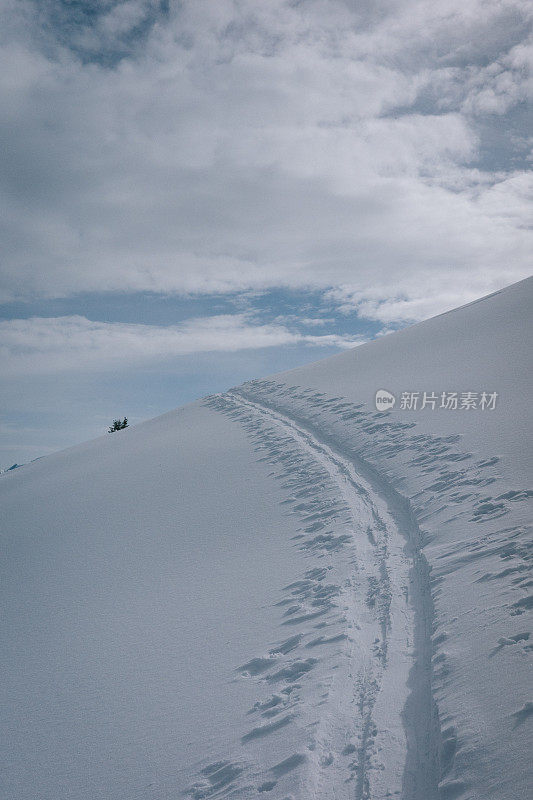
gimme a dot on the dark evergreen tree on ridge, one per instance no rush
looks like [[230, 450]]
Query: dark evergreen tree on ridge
[[118, 425]]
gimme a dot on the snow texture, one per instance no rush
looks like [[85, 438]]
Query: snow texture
[[281, 592]]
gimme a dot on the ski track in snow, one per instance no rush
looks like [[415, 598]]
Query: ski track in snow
[[355, 638], [474, 595]]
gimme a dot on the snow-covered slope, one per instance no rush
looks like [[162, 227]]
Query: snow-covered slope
[[281, 592]]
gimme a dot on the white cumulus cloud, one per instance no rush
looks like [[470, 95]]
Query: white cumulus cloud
[[237, 146]]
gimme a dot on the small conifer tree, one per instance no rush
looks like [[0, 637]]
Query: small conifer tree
[[118, 425]]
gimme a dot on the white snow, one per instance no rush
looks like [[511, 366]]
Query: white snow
[[280, 592]]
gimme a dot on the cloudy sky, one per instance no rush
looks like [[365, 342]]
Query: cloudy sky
[[198, 192]]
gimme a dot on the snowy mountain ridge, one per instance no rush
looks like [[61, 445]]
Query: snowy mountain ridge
[[280, 591]]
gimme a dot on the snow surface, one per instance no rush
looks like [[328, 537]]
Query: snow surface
[[279, 592]]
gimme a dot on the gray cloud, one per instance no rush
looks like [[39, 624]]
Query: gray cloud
[[235, 146]]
